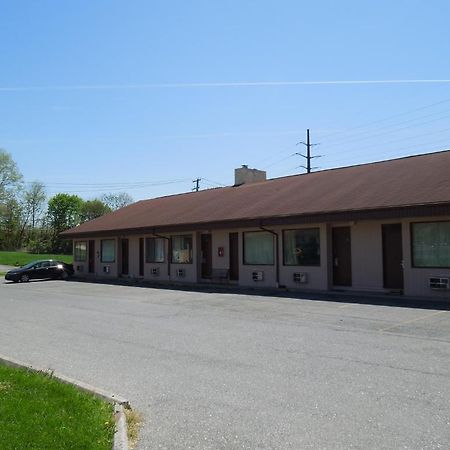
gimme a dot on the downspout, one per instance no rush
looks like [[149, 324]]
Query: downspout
[[277, 255], [169, 250]]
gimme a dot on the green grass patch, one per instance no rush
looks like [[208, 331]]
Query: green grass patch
[[39, 412], [22, 258]]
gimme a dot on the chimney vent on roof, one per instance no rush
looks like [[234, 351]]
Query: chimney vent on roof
[[244, 175]]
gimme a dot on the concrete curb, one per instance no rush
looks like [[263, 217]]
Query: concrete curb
[[120, 436], [120, 403]]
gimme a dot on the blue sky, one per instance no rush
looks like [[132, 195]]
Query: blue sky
[[97, 96]]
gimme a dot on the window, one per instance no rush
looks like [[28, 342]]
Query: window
[[431, 244], [182, 249], [301, 247], [80, 251], [258, 248], [154, 250], [108, 250]]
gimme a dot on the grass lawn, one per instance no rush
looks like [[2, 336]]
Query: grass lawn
[[39, 412], [21, 258]]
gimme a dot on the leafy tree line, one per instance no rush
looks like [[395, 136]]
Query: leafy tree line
[[28, 220]]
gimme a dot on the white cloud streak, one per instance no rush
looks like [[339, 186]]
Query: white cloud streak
[[93, 87]]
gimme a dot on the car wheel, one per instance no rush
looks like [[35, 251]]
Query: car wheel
[[24, 278], [64, 275]]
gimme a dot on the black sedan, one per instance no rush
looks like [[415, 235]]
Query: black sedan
[[42, 269]]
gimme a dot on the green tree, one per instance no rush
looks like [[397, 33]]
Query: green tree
[[10, 209], [117, 201], [10, 224], [91, 209], [64, 211], [34, 199], [10, 177]]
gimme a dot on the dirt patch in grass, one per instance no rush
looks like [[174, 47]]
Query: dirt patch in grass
[[39, 412], [134, 421]]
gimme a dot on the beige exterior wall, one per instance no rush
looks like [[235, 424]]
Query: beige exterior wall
[[220, 239], [367, 259], [366, 253], [416, 279], [316, 276], [178, 272], [82, 267]]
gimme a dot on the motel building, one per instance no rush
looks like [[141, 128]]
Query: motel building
[[382, 227]]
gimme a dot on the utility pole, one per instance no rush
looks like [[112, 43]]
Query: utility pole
[[196, 188], [308, 156]]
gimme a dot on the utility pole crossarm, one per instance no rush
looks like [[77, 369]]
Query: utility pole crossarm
[[196, 188], [308, 156]]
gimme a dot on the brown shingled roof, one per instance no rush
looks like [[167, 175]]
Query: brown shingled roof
[[414, 181]]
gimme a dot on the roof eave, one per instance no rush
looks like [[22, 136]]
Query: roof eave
[[435, 209]]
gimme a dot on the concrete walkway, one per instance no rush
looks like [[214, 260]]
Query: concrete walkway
[[4, 268]]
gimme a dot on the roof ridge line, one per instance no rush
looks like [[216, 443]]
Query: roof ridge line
[[360, 164]]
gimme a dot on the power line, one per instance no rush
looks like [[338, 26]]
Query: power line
[[385, 119], [395, 128], [394, 141], [279, 161], [214, 182], [361, 136], [396, 152], [137, 184]]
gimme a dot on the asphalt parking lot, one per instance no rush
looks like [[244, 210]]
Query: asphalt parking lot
[[239, 371]]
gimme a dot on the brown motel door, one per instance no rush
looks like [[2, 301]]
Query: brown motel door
[[342, 256], [141, 257], [125, 256], [234, 256], [392, 256], [206, 243], [91, 256]]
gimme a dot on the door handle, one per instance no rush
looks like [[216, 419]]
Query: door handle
[[336, 262]]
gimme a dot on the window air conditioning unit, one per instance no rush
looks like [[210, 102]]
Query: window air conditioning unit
[[80, 268], [155, 271], [258, 275], [106, 269], [300, 277], [180, 273], [438, 283]]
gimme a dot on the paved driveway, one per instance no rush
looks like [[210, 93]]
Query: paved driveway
[[228, 371]]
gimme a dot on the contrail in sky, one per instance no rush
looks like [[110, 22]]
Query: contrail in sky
[[92, 87]]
